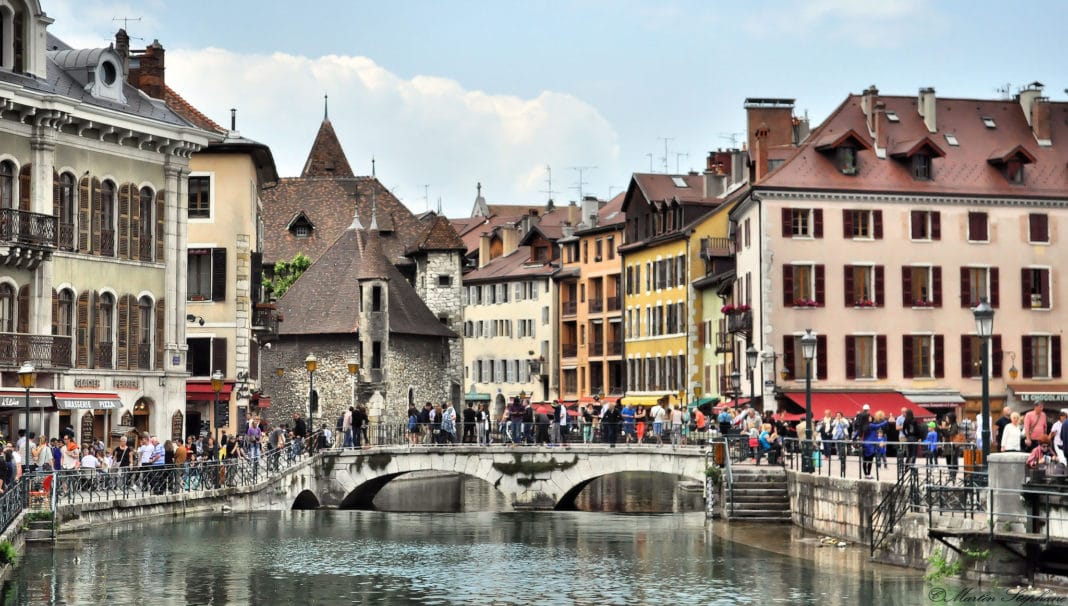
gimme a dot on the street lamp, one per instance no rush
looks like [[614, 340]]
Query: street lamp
[[311, 363], [751, 356], [736, 385], [279, 372], [984, 327], [216, 386], [808, 351], [354, 369], [27, 378]]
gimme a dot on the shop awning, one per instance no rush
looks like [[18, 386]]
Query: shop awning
[[201, 391], [86, 400], [705, 400], [643, 400], [1050, 393], [472, 396], [935, 400], [850, 403], [16, 398], [262, 402]]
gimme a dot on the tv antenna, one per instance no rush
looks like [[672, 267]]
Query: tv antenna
[[665, 158], [426, 196], [650, 156], [126, 25], [680, 155], [549, 191], [581, 182], [1006, 91], [732, 137]]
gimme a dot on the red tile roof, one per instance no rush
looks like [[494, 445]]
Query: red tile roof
[[658, 187], [326, 158], [513, 265], [186, 110]]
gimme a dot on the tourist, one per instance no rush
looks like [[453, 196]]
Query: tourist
[[563, 427], [585, 421], [610, 424], [123, 459], [529, 427], [911, 434], [541, 424], [253, 436], [448, 423], [605, 409], [1035, 426], [826, 429], [1041, 455], [346, 428], [676, 427], [687, 426], [871, 438], [724, 420], [949, 433], [413, 425], [1056, 433], [469, 415], [1003, 420], [57, 453], [640, 415], [43, 455], [1011, 435], [71, 454], [515, 415], [300, 431], [90, 460], [482, 429], [880, 449], [361, 422], [930, 443], [7, 471], [661, 421]]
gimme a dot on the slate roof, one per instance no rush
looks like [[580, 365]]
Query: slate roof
[[515, 264], [440, 235], [325, 299], [326, 158], [964, 169]]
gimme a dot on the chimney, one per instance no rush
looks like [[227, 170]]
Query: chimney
[[233, 119], [760, 152], [148, 74], [926, 106], [122, 46], [880, 125], [509, 239], [1040, 121], [867, 105], [775, 116], [574, 214], [483, 250], [590, 206], [718, 173], [567, 229], [1027, 97]]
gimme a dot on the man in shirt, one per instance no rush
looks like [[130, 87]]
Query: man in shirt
[[1035, 427], [346, 428], [1055, 431], [656, 414], [676, 427], [1003, 420]]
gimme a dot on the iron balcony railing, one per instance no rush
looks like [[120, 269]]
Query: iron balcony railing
[[596, 304], [596, 349], [23, 227], [265, 319], [615, 348], [107, 242], [740, 321], [105, 357], [569, 350], [67, 236], [44, 351], [569, 308]]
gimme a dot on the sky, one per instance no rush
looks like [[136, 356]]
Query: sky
[[506, 93]]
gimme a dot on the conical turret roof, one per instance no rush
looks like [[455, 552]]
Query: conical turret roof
[[326, 158]]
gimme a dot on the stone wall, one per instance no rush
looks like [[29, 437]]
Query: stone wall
[[289, 393], [446, 301], [415, 363]]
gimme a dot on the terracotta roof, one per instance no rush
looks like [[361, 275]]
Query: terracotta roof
[[612, 212], [472, 234], [326, 158], [186, 110], [964, 170], [325, 299], [514, 209], [513, 265], [440, 235], [659, 187]]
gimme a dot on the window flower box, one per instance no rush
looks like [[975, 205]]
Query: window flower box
[[864, 303], [805, 303], [922, 303]]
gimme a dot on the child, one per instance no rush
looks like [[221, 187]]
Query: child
[[931, 442], [880, 449]]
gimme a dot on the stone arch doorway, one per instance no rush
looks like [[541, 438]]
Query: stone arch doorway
[[142, 414]]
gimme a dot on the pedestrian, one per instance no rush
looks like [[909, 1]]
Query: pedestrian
[[413, 425], [470, 421], [1035, 426], [346, 428], [676, 427], [448, 423], [931, 444]]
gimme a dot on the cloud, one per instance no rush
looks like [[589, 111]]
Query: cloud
[[884, 24], [423, 130]]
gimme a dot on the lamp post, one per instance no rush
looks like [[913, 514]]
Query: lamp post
[[808, 351], [311, 363], [27, 378], [984, 327], [736, 385], [751, 356], [216, 386], [354, 369]]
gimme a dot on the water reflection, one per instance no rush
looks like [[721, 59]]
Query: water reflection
[[362, 557]]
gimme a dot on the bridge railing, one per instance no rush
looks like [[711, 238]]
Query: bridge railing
[[841, 457]]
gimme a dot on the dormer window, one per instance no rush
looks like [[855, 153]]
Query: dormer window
[[12, 38], [921, 167], [847, 160], [302, 231], [300, 226], [1011, 162], [845, 147], [918, 155], [97, 70], [1014, 171]]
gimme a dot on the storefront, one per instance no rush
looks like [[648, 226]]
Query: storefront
[[94, 409], [13, 410], [1023, 396], [203, 419]]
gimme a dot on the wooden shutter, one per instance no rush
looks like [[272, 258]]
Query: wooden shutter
[[1044, 288], [1025, 287], [218, 355], [122, 331], [160, 201], [880, 356], [995, 287], [939, 356], [55, 313], [996, 357], [877, 224], [257, 279], [1038, 227], [966, 356], [916, 224], [847, 280], [977, 227], [906, 286], [821, 296], [23, 323], [159, 344], [1055, 356], [908, 366], [880, 286], [700, 334], [851, 356], [123, 235], [817, 223], [787, 223], [847, 224], [218, 274], [84, 214], [1026, 360], [98, 216], [24, 188], [965, 287], [135, 224], [134, 334], [936, 285], [936, 225], [55, 198], [788, 354], [254, 361], [821, 357], [82, 338], [787, 285]]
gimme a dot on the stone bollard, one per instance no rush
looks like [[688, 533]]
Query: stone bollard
[[1008, 470]]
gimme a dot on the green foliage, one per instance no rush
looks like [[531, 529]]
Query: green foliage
[[716, 473], [285, 274], [8, 555], [530, 468], [939, 567], [38, 516]]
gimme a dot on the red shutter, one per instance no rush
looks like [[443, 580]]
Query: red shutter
[[877, 228], [1026, 361], [880, 286], [788, 354], [817, 223], [995, 288], [847, 224], [23, 311], [908, 367], [936, 285], [916, 224], [1025, 288], [1044, 288], [966, 370], [821, 298], [906, 286], [936, 225], [1039, 227], [24, 188], [965, 287], [1055, 356], [821, 357], [996, 357], [851, 356], [880, 356], [847, 280], [940, 356], [787, 223], [787, 285]]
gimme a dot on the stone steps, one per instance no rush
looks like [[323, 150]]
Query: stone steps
[[759, 496]]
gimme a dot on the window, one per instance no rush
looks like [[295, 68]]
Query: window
[[794, 360], [1041, 356], [921, 167], [7, 308], [302, 230], [921, 286], [802, 223], [925, 225], [200, 197], [105, 331], [145, 220], [1038, 228], [863, 285], [1036, 287], [847, 159], [803, 285], [7, 185], [206, 280], [862, 224], [746, 231], [860, 357], [611, 246], [65, 204], [680, 270], [144, 339], [977, 283], [444, 280], [376, 298], [65, 320], [977, 227], [106, 219], [952, 139], [971, 349], [989, 122], [1014, 172], [923, 356], [376, 355]]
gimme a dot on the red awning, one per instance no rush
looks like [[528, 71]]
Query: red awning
[[263, 402], [201, 391], [604, 400], [86, 400], [849, 403]]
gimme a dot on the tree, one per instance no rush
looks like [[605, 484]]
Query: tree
[[285, 274]]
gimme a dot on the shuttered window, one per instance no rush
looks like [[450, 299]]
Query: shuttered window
[[1038, 228], [977, 227], [206, 274]]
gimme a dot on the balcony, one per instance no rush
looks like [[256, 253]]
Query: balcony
[[144, 246], [715, 247], [596, 349], [740, 321], [265, 319], [107, 242], [569, 308], [615, 302], [615, 348], [376, 375], [568, 350], [44, 351], [144, 357], [66, 236], [723, 342], [26, 238], [596, 304], [105, 356]]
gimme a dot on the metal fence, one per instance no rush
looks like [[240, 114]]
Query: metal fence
[[840, 457]]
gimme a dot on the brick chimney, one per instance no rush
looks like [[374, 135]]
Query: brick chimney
[[760, 152], [146, 72], [926, 106], [718, 173], [774, 115], [880, 125], [1040, 121]]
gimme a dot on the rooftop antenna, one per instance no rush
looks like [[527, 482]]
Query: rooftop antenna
[[732, 137], [611, 187], [650, 156], [549, 191], [439, 206], [372, 166], [578, 186], [126, 23], [326, 107], [426, 196], [1006, 91], [665, 158], [680, 155]]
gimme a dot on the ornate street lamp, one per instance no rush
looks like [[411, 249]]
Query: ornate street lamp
[[354, 370], [984, 327], [736, 385], [217, 386], [808, 351], [311, 363], [27, 378], [751, 356]]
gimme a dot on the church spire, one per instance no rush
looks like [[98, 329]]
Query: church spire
[[326, 108], [326, 158]]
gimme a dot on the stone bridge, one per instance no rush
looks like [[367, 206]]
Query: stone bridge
[[528, 477]]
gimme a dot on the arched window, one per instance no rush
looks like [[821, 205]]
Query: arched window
[[144, 339], [12, 39], [107, 218], [65, 313], [7, 308], [7, 185], [146, 203], [66, 206], [106, 341]]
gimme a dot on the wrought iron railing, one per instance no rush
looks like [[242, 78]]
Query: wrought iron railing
[[67, 235], [25, 227], [569, 350], [145, 246], [265, 319], [105, 354], [144, 356], [107, 242], [904, 496], [596, 349], [596, 305], [615, 348], [614, 303], [569, 308], [44, 351]]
